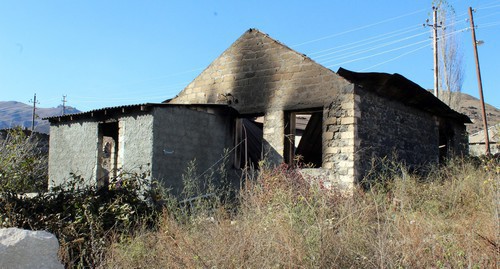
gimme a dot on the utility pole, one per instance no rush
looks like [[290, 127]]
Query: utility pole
[[64, 105], [435, 26], [34, 101], [479, 82]]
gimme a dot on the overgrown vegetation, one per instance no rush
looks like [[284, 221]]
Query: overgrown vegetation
[[448, 218], [23, 165], [84, 218]]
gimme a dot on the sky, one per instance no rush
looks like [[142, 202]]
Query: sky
[[111, 53]]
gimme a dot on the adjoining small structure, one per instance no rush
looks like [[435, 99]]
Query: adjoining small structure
[[156, 138], [477, 145], [259, 97]]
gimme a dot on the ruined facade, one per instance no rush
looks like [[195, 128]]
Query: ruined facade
[[361, 115], [267, 101], [156, 139]]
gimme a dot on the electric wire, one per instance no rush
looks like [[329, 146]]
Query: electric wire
[[388, 51], [395, 58], [358, 28], [372, 48], [373, 39], [347, 47]]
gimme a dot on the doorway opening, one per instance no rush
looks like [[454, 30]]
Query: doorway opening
[[108, 152]]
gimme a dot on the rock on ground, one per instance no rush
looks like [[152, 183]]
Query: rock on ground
[[28, 249]]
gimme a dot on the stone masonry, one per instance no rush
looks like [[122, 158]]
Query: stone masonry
[[364, 116], [258, 75]]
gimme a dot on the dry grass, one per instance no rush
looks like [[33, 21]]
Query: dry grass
[[446, 220]]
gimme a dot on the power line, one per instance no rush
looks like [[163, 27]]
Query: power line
[[364, 41], [377, 54], [358, 28], [391, 50], [372, 48], [395, 58]]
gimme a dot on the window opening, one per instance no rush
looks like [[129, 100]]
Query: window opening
[[303, 138]]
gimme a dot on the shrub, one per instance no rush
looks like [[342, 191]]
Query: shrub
[[83, 217], [23, 165]]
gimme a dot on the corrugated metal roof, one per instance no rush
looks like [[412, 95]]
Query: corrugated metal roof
[[98, 110], [110, 111]]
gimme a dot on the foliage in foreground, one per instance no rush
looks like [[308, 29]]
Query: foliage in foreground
[[83, 217], [448, 219], [23, 165]]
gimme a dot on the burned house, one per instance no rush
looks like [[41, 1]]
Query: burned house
[[265, 101]]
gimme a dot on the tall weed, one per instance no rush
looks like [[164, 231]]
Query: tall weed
[[446, 219]]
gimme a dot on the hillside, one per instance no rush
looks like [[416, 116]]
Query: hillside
[[14, 114], [471, 107]]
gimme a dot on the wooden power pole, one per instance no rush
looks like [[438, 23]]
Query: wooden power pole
[[479, 82], [64, 105], [435, 26], [34, 101]]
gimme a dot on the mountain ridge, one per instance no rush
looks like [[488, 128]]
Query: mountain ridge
[[14, 114]]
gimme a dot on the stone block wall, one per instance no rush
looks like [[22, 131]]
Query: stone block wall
[[258, 75], [261, 74], [274, 136], [182, 134], [339, 139], [390, 129], [459, 143]]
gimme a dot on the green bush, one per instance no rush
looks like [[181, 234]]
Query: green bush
[[83, 217], [23, 166]]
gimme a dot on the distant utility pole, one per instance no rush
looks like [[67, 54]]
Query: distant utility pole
[[64, 105], [34, 101], [479, 82], [435, 26]]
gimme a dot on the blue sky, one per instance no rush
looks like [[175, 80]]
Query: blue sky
[[110, 53]]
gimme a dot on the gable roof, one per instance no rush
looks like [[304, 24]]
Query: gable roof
[[397, 87], [261, 73]]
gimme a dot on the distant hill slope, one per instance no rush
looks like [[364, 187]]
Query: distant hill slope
[[471, 107], [14, 114]]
